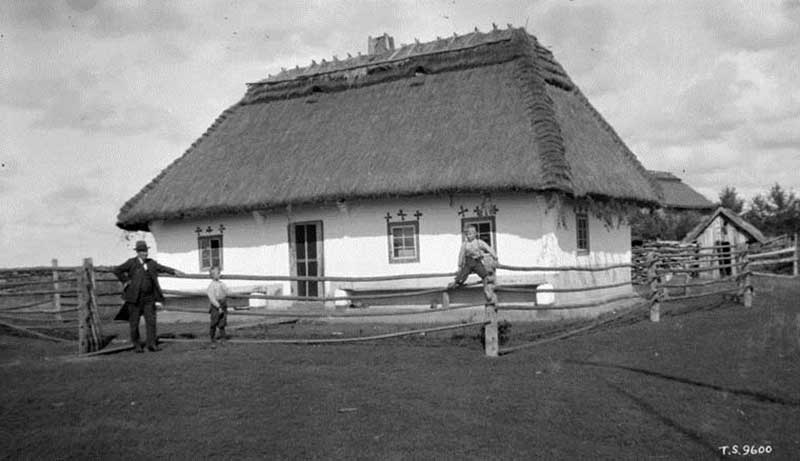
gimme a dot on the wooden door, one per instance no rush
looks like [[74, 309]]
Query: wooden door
[[305, 242], [724, 255]]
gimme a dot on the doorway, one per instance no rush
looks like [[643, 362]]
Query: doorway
[[305, 247], [723, 252]]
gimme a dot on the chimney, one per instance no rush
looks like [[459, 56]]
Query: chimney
[[379, 45]]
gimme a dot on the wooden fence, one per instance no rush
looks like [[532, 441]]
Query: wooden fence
[[60, 299], [655, 270]]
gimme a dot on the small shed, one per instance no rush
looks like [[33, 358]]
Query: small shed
[[724, 230]]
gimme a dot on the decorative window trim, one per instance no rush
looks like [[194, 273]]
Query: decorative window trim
[[493, 224], [582, 235], [209, 238], [390, 226]]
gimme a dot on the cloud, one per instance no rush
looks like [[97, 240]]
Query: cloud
[[81, 101], [76, 194], [107, 19], [749, 25], [579, 31]]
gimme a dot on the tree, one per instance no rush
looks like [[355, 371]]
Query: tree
[[776, 212], [730, 199], [662, 224]]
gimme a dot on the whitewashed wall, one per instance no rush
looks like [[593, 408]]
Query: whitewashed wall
[[355, 242]]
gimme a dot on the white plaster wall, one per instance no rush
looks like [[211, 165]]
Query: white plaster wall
[[355, 242]]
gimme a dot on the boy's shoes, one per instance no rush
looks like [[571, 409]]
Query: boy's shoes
[[138, 350], [153, 348]]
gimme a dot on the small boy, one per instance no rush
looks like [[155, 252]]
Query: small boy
[[217, 294]]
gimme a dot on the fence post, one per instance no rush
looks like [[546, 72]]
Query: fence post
[[445, 299], [748, 287], [653, 278], [490, 341], [97, 335], [89, 335], [83, 310], [796, 263], [56, 296]]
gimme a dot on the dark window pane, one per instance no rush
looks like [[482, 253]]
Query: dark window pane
[[313, 289], [300, 247], [301, 269], [311, 233], [215, 243], [302, 288], [312, 268], [311, 249]]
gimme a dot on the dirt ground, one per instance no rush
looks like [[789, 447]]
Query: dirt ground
[[710, 374]]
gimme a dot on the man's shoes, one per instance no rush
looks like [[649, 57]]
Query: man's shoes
[[153, 348], [138, 350]]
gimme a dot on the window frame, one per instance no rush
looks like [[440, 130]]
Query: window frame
[[582, 216], [209, 238], [466, 222], [390, 242]]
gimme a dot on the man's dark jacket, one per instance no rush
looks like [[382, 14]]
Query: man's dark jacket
[[132, 271]]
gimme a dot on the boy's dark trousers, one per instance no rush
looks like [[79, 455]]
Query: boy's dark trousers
[[219, 319]]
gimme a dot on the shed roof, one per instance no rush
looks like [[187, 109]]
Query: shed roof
[[678, 195], [481, 112], [729, 216]]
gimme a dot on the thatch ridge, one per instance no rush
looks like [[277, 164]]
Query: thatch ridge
[[734, 218], [543, 120], [468, 114]]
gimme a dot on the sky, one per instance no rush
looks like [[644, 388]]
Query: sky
[[97, 96]]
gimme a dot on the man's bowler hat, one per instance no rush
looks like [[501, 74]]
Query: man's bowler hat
[[141, 245]]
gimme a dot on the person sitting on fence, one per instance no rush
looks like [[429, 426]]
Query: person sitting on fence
[[217, 294], [141, 292], [476, 256]]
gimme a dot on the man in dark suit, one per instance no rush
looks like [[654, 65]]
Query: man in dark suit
[[141, 292]]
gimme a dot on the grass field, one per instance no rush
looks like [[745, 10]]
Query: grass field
[[710, 374]]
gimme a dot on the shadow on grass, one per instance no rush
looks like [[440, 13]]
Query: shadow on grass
[[760, 396], [649, 409]]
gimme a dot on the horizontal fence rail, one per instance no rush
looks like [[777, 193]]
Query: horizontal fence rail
[[728, 270]]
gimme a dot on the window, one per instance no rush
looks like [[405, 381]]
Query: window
[[582, 231], [210, 249], [403, 242], [485, 227]]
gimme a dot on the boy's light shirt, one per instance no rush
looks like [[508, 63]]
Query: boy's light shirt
[[217, 291]]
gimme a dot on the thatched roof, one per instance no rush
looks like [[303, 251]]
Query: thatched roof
[[678, 195], [481, 112], [731, 217]]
